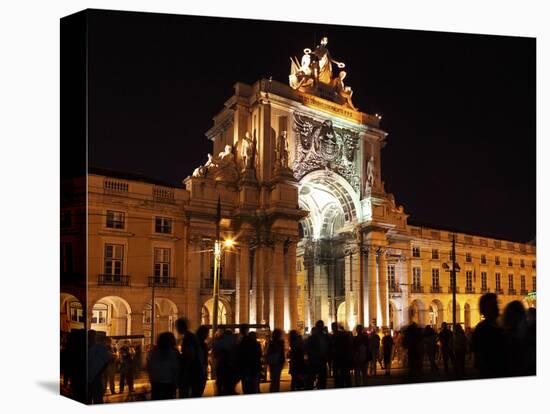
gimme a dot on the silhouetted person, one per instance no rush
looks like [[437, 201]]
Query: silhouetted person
[[342, 358], [488, 340], [331, 346], [531, 341], [445, 342], [361, 355], [387, 349], [110, 370], [198, 385], [249, 356], [127, 369], [412, 342], [514, 325], [460, 347], [430, 346], [189, 359], [317, 349], [224, 350], [296, 367], [98, 359], [163, 367], [374, 347], [275, 357]]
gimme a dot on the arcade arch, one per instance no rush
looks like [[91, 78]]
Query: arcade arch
[[436, 317], [224, 312], [416, 312], [112, 315], [71, 313], [166, 314]]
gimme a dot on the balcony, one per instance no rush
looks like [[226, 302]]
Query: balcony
[[113, 280], [417, 289], [523, 292], [162, 282], [512, 292], [499, 291], [485, 290], [435, 289], [451, 289], [470, 290]]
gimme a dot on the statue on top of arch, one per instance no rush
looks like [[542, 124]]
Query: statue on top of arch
[[315, 71]]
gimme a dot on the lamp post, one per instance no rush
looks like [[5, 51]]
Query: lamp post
[[217, 261], [454, 269]]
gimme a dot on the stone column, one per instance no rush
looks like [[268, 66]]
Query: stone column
[[278, 290], [358, 280], [383, 289], [348, 287], [269, 286], [292, 286], [258, 283], [242, 287], [372, 287]]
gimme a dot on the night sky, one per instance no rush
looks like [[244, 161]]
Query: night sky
[[459, 108]]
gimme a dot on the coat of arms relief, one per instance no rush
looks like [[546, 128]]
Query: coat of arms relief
[[320, 145]]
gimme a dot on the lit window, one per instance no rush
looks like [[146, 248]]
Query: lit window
[[469, 281], [417, 277], [510, 281], [435, 278], [497, 282], [484, 281], [162, 263], [115, 219], [99, 314], [163, 225], [114, 256], [76, 312]]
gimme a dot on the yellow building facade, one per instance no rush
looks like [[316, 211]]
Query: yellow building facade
[[297, 171]]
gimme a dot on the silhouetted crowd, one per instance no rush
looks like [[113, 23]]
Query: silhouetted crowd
[[497, 347]]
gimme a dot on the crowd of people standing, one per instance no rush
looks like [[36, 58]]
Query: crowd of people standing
[[180, 366]]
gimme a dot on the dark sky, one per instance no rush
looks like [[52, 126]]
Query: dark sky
[[459, 108]]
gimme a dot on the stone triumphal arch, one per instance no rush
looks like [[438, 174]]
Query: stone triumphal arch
[[297, 168]]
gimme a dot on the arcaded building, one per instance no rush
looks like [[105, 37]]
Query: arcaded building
[[297, 169]]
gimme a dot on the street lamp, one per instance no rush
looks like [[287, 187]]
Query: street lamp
[[454, 269], [218, 248]]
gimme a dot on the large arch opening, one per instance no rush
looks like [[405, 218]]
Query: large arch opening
[[334, 209], [112, 315]]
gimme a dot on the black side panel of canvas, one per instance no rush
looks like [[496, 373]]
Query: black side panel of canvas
[[73, 298]]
